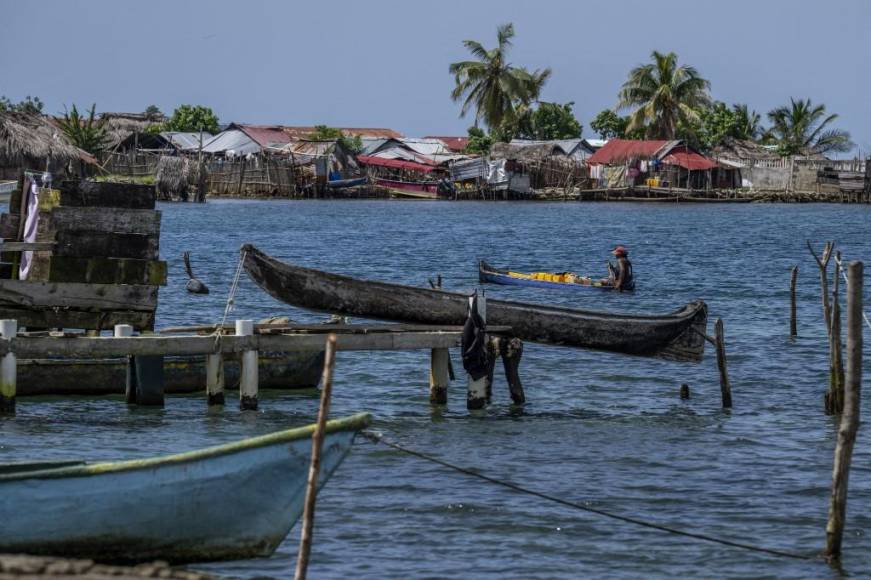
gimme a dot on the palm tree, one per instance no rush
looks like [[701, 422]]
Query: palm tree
[[86, 133], [663, 96], [747, 124], [492, 85], [801, 127]]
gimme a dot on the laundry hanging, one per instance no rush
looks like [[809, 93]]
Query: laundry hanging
[[30, 224]]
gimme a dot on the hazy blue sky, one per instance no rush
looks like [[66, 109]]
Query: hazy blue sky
[[385, 64]]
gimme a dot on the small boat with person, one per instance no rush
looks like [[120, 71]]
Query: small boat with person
[[677, 335], [559, 280], [233, 501]]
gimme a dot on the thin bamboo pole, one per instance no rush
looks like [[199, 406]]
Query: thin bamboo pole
[[308, 514], [793, 325]]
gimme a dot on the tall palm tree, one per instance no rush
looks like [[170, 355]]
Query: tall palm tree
[[491, 85], [747, 123], [663, 96], [801, 127]]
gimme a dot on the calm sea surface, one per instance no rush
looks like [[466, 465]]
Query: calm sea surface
[[602, 429]]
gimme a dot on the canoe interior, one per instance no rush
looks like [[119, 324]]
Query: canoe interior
[[489, 274], [675, 336]]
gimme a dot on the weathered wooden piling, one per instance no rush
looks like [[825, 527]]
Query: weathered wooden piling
[[823, 265], [684, 392], [720, 344], [834, 398], [8, 370], [511, 350], [492, 355], [215, 379], [793, 324], [125, 330], [439, 376], [476, 396], [248, 379], [849, 423], [311, 491]]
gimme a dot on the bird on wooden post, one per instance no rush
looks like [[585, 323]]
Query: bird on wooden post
[[194, 285]]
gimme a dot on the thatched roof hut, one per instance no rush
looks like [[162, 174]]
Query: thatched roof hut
[[741, 149], [526, 153], [119, 126], [28, 141]]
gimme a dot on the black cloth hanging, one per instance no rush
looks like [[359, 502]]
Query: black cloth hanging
[[474, 343]]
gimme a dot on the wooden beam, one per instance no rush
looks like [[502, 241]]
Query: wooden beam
[[107, 194], [27, 294], [97, 219], [106, 347], [26, 246], [106, 270], [88, 244], [72, 318]]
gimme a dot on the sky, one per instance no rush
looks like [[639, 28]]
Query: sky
[[382, 63]]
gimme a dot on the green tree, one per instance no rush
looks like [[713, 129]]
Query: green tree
[[802, 127], [609, 125], [352, 143], [191, 118], [30, 105], [551, 121], [747, 125], [87, 133], [491, 85], [479, 142], [153, 113], [661, 95]]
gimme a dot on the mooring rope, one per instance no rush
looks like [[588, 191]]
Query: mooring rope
[[231, 299], [379, 438], [847, 282]]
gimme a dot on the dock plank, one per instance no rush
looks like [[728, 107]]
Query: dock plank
[[27, 294]]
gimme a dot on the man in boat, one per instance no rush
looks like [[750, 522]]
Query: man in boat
[[620, 275]]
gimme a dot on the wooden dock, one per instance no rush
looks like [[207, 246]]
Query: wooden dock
[[146, 351]]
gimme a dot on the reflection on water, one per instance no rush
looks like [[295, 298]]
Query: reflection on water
[[598, 428]]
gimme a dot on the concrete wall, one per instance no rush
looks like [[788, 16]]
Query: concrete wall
[[774, 178]]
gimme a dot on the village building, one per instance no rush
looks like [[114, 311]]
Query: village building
[[36, 143]]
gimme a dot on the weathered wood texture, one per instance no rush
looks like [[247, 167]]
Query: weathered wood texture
[[97, 219], [676, 336], [511, 350], [23, 293], [720, 345], [88, 244], [439, 376], [71, 318], [834, 398], [311, 490], [105, 271], [849, 424], [26, 246], [105, 347], [107, 194], [823, 265]]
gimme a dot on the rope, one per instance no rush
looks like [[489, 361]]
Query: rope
[[231, 299], [378, 438], [847, 282]]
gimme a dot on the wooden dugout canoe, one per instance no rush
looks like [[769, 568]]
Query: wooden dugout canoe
[[678, 335], [489, 274], [232, 501]]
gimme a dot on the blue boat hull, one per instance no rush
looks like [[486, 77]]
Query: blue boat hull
[[488, 275], [229, 502]]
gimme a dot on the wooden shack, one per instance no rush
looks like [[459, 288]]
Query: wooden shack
[[95, 260]]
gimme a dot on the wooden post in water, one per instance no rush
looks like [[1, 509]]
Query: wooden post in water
[[684, 392], [248, 376], [492, 355], [476, 396], [793, 326], [215, 379], [511, 351], [720, 344], [849, 424], [834, 398], [8, 370], [124, 330], [311, 490], [823, 265], [439, 376]]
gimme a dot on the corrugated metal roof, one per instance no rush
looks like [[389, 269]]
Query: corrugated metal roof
[[264, 135], [426, 146], [232, 140], [186, 141], [669, 152], [455, 144]]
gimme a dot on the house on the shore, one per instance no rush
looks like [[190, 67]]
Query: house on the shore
[[36, 143], [630, 163], [578, 149], [453, 144], [120, 126]]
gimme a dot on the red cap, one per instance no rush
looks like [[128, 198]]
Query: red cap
[[620, 251]]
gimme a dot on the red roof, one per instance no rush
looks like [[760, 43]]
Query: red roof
[[264, 135], [395, 163], [455, 144], [669, 152]]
